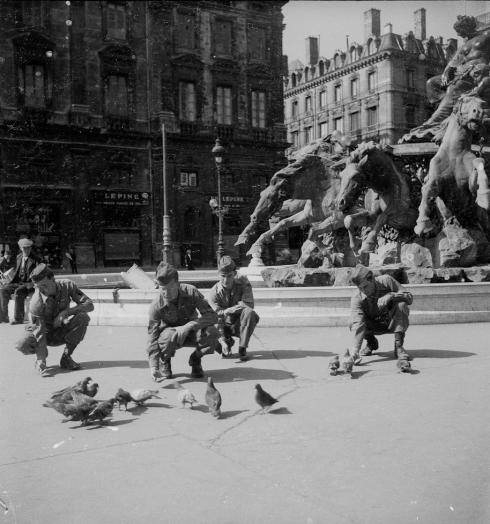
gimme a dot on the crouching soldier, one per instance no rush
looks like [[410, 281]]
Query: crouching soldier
[[232, 299], [53, 320], [174, 322], [379, 306]]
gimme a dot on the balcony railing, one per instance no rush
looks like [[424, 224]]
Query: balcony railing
[[225, 132], [36, 115], [189, 128], [118, 123], [260, 135]]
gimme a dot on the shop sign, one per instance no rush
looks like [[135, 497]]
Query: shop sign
[[122, 198], [236, 201]]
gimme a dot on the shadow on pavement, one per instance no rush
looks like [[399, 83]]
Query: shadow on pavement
[[232, 413], [110, 423], [280, 411], [359, 374], [234, 374], [280, 354], [138, 410], [96, 364], [421, 353]]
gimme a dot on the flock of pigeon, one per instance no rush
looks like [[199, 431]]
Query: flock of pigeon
[[345, 367], [77, 402]]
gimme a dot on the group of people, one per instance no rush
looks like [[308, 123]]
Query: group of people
[[181, 316], [15, 281]]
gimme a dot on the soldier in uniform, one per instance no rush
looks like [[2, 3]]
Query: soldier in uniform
[[232, 299], [174, 322], [379, 306], [54, 320]]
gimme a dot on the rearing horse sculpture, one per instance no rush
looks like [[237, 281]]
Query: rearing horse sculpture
[[307, 188], [456, 176], [388, 201]]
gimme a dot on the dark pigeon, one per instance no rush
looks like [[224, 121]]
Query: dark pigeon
[[263, 399], [213, 399]]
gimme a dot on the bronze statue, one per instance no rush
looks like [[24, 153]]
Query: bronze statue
[[463, 72]]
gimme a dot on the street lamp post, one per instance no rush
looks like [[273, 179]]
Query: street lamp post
[[218, 153]]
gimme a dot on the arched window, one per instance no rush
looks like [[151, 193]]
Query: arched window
[[293, 80], [322, 68], [307, 74], [370, 45]]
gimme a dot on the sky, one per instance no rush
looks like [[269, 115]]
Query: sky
[[333, 20]]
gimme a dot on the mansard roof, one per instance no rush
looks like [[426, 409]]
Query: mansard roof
[[431, 48]]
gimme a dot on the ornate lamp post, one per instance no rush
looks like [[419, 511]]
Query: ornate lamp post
[[218, 153]]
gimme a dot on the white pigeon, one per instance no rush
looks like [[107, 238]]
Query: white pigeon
[[184, 395], [141, 395]]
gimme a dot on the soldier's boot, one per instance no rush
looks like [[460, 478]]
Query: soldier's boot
[[66, 362], [166, 367], [371, 345], [400, 351], [195, 363]]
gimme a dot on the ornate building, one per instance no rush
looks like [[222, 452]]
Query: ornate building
[[85, 88], [369, 91]]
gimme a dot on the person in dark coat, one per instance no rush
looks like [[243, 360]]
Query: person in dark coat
[[20, 285], [188, 262]]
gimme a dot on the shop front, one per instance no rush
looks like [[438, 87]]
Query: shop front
[[122, 215], [41, 215]]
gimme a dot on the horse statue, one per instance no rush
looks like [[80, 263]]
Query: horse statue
[[457, 177], [305, 190], [387, 201]]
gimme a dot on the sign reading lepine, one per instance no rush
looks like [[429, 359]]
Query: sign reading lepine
[[122, 198]]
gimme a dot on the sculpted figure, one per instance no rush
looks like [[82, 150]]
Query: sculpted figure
[[304, 191], [457, 182], [463, 72]]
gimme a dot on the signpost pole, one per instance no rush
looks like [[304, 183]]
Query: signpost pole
[[167, 239]]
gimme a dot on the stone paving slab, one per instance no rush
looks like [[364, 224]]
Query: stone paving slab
[[380, 448]]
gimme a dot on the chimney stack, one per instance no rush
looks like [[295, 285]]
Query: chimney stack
[[388, 29], [312, 54], [372, 23], [420, 24]]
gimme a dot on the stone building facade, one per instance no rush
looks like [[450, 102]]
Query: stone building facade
[[85, 87], [370, 91]]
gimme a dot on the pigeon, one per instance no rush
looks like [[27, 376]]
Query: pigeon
[[77, 409], [92, 389], [347, 363], [213, 399], [140, 396], [334, 365], [102, 410], [123, 397], [65, 394], [184, 395], [403, 365], [263, 399]]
